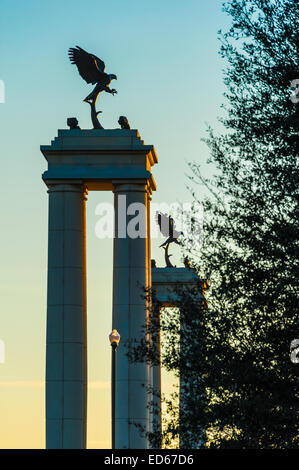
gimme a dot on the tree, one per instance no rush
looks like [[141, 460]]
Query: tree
[[251, 228], [243, 391]]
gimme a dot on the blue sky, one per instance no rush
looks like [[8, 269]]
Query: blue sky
[[165, 55]]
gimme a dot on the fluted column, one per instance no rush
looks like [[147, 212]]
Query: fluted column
[[130, 311], [66, 354]]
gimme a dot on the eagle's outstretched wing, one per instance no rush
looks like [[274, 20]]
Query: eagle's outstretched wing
[[167, 226], [90, 67], [165, 223]]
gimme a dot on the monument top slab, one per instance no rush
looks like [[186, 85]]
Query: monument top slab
[[165, 281], [99, 139], [99, 158]]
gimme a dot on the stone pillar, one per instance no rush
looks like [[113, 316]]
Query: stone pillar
[[66, 354], [150, 368], [130, 314], [156, 384], [164, 283]]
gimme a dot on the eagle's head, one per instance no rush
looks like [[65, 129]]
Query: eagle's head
[[112, 76]]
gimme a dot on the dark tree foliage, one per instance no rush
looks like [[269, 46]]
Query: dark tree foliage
[[251, 231], [239, 383]]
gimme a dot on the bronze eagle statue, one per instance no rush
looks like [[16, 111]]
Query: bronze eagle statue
[[92, 70], [167, 228]]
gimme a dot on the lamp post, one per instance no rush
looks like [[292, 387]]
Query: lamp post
[[114, 339]]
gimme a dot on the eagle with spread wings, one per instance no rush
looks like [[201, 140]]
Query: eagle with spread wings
[[92, 70], [167, 228]]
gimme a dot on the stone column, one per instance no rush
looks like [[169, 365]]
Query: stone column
[[130, 314], [66, 354], [149, 267], [156, 383], [154, 408]]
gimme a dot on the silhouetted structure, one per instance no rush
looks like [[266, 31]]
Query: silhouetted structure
[[123, 122], [187, 262], [73, 123]]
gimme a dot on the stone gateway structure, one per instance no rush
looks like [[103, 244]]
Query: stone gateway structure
[[81, 161], [97, 160]]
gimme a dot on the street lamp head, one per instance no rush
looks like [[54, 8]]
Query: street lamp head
[[114, 338]]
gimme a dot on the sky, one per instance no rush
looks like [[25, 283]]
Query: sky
[[165, 55]]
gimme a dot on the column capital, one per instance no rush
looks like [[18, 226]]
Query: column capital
[[66, 186], [143, 186]]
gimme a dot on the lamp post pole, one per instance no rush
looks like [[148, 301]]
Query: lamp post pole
[[114, 346], [114, 338]]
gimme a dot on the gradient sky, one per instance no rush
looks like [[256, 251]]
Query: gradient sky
[[165, 55]]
